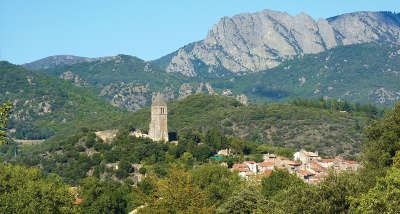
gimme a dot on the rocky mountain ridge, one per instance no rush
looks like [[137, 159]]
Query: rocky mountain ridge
[[129, 82], [252, 42], [56, 60], [365, 73]]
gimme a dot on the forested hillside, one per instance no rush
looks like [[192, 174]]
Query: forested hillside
[[124, 81], [43, 106], [363, 73], [366, 73], [176, 178], [203, 124], [329, 131]]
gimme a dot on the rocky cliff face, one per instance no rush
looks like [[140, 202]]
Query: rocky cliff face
[[258, 41]]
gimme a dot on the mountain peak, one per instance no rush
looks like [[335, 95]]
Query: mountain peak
[[252, 42], [56, 60]]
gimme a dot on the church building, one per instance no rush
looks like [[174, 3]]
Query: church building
[[158, 130]]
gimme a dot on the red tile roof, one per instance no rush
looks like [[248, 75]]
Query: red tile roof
[[351, 162], [242, 169], [266, 164], [251, 162], [315, 165], [78, 201], [283, 158], [267, 173], [327, 160], [290, 162]]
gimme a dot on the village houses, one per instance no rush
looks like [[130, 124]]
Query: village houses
[[306, 165]]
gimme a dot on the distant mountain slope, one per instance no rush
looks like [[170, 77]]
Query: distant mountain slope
[[125, 81], [366, 73], [44, 105], [53, 61], [253, 42]]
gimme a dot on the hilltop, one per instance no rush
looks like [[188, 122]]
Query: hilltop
[[285, 125], [53, 61]]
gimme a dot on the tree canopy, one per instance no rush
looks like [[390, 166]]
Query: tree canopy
[[26, 190], [4, 114]]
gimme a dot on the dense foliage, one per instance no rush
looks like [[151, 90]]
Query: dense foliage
[[337, 105], [181, 187], [384, 140], [4, 114], [331, 132], [25, 190]]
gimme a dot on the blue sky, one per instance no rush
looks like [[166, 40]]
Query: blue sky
[[30, 30]]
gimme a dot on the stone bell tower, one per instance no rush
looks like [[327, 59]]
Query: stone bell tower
[[158, 130]]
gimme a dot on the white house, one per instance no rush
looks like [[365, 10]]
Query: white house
[[252, 166]]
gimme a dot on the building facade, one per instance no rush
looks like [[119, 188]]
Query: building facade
[[158, 130]]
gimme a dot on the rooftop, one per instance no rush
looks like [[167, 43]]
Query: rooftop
[[305, 172], [251, 162], [265, 164]]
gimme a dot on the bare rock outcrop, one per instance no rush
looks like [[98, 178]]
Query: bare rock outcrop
[[74, 78], [258, 41], [128, 95]]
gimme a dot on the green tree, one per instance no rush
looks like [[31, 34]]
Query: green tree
[[102, 196], [175, 194], [335, 190], [187, 160], [277, 181], [5, 110], [246, 199], [383, 198], [384, 140], [301, 198], [26, 190], [286, 152], [216, 181], [237, 145]]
